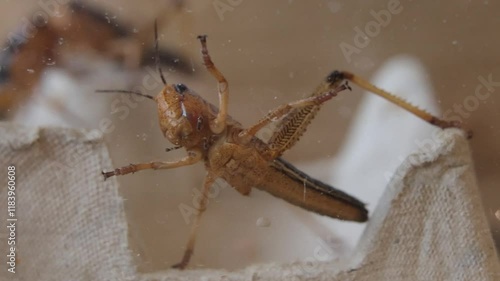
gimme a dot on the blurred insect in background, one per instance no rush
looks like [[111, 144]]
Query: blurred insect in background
[[234, 153], [77, 29]]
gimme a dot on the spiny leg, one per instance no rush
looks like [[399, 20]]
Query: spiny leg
[[422, 114], [289, 129], [193, 157], [246, 135], [188, 252], [219, 123], [294, 124]]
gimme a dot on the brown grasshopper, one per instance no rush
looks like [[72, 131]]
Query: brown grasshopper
[[236, 155]]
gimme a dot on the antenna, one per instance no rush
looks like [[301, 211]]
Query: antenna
[[157, 58], [126, 92]]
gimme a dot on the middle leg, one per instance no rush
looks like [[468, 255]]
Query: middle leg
[[188, 252]]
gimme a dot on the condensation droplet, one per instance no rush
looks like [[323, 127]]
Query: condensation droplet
[[263, 222], [497, 214], [50, 62], [30, 70]]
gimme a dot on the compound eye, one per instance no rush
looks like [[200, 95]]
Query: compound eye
[[334, 77], [180, 88]]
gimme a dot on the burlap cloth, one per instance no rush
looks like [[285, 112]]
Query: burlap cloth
[[429, 224]]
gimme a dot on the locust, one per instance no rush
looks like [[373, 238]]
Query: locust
[[235, 154]]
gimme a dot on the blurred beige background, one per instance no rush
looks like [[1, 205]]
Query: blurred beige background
[[273, 52]]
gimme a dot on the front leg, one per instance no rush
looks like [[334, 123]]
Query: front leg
[[193, 157], [219, 123]]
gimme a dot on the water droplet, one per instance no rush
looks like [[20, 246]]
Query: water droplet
[[454, 42], [50, 62], [30, 70], [497, 214], [263, 222], [60, 41], [275, 118]]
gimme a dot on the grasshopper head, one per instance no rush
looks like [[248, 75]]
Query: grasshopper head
[[182, 115]]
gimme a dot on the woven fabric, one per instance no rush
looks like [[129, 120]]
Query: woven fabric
[[429, 224], [71, 224]]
